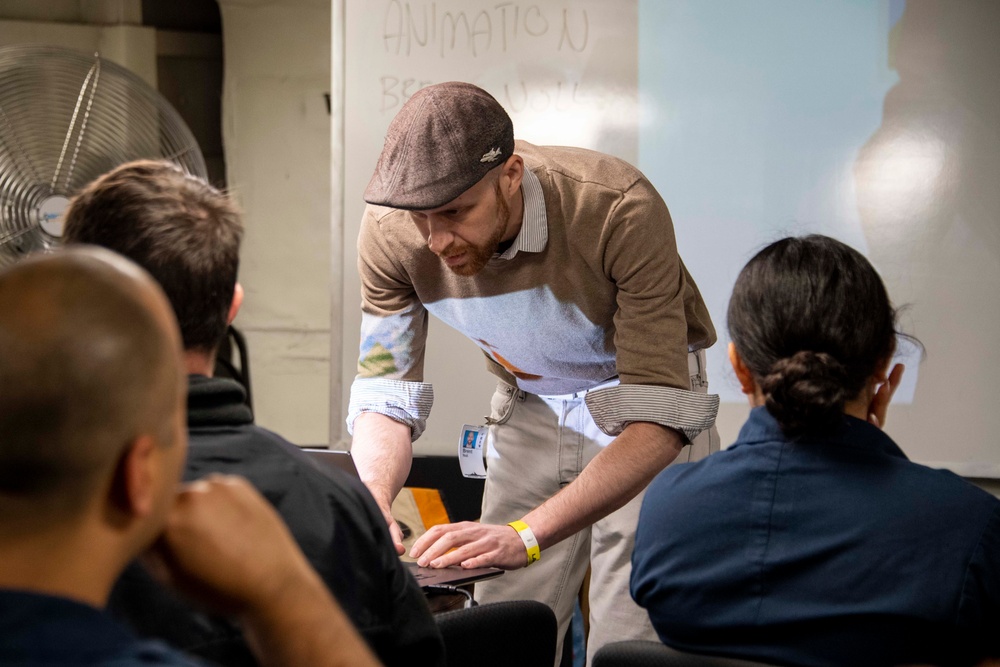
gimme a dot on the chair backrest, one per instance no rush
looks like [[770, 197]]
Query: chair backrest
[[637, 653], [224, 366], [521, 633]]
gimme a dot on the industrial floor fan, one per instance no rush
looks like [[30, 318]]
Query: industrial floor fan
[[65, 118]]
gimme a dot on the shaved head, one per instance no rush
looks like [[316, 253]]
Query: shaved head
[[90, 359]]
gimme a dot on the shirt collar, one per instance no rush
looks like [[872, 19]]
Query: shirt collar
[[534, 232], [217, 401], [762, 427]]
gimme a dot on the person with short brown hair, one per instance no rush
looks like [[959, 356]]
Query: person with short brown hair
[[182, 230], [187, 234]]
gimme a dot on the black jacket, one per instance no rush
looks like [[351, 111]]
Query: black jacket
[[332, 516]]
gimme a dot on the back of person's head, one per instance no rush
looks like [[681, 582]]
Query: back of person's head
[[811, 320], [90, 359], [179, 228]]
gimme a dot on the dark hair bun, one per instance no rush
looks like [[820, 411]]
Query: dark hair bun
[[806, 392]]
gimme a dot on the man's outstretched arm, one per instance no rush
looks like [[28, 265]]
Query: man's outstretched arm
[[615, 476], [382, 451]]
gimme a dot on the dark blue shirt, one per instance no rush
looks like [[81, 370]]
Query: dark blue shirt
[[40, 629], [831, 550]]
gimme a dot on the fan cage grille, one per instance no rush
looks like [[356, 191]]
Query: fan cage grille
[[65, 119]]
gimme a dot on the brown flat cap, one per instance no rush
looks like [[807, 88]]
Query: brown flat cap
[[441, 143]]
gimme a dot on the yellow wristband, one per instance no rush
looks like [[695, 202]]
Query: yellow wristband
[[528, 537]]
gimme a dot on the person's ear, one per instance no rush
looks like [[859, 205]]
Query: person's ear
[[879, 377], [747, 384], [511, 176], [883, 366], [133, 487], [234, 307]]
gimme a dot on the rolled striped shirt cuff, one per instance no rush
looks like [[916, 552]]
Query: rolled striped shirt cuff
[[689, 412], [404, 401]]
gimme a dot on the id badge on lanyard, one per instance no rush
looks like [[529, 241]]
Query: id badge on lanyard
[[471, 448]]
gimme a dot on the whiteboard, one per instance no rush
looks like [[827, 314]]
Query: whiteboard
[[874, 122]]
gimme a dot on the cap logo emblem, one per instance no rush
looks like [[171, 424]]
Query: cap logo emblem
[[490, 156]]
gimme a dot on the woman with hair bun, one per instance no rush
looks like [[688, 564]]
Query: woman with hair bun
[[812, 540]]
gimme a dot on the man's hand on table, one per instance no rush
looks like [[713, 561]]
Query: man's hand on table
[[474, 544]]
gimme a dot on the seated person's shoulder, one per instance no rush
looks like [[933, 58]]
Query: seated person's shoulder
[[955, 491], [152, 653]]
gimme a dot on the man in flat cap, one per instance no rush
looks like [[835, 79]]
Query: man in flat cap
[[561, 264]]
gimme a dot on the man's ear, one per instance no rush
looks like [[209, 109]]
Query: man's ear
[[133, 488], [510, 177], [234, 307], [747, 384]]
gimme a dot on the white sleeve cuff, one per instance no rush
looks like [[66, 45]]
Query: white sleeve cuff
[[689, 412], [404, 401]]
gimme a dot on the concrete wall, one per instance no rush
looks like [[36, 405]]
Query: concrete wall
[[276, 132], [131, 46]]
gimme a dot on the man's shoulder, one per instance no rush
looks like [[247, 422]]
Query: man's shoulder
[[41, 629], [138, 653], [268, 459], [379, 214], [387, 230], [280, 469], [146, 652], [384, 215], [563, 165]]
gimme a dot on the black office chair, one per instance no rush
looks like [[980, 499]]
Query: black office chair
[[500, 634], [637, 653], [239, 370]]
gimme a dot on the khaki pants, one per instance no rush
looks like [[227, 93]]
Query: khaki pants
[[540, 445]]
